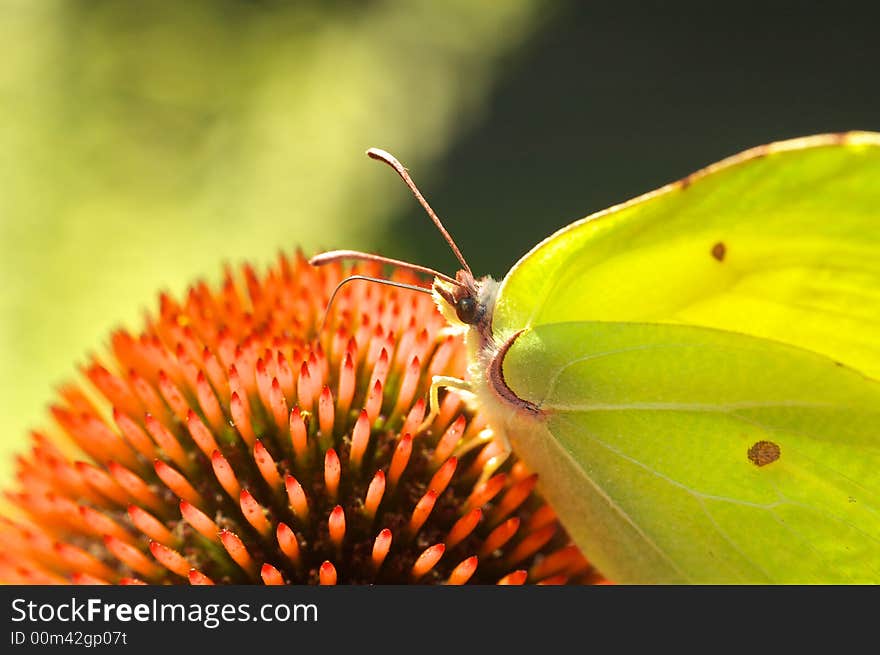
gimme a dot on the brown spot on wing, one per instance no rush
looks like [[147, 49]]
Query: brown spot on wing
[[763, 453], [719, 250]]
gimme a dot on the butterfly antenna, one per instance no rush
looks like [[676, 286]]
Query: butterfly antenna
[[391, 160], [352, 278], [337, 255]]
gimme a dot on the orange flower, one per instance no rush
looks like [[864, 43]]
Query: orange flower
[[232, 443]]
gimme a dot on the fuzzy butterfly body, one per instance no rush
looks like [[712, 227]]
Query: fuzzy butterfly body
[[694, 374]]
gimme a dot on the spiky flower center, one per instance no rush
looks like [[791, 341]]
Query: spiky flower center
[[234, 442]]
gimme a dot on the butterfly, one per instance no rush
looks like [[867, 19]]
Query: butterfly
[[694, 374]]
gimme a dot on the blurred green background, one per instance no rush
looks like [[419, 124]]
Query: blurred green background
[[143, 144]]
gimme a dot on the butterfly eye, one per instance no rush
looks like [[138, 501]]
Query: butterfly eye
[[466, 310]]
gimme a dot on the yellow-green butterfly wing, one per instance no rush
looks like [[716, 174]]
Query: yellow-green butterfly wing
[[780, 242], [685, 454], [704, 359]]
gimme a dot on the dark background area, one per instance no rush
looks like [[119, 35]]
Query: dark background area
[[611, 100]]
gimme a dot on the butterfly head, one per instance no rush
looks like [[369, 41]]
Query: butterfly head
[[468, 301]]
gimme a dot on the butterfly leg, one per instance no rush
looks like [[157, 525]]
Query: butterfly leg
[[441, 382], [502, 445], [483, 437]]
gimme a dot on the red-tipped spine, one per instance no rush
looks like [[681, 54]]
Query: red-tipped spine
[[167, 442], [464, 527], [298, 434], [319, 364], [286, 378], [449, 440], [336, 525], [422, 511], [305, 397], [381, 546], [122, 478], [399, 460], [515, 578], [374, 495], [134, 434], [513, 498], [463, 572], [225, 475], [326, 410], [426, 561], [278, 405], [216, 375], [414, 418], [264, 384], [380, 369], [238, 552], [101, 524], [360, 439], [347, 379], [114, 389], [170, 559], [178, 483], [199, 520], [271, 575], [499, 536], [408, 386], [129, 581], [374, 401], [542, 517], [201, 435], [288, 544], [208, 402], [148, 396], [327, 574], [297, 498], [266, 465], [241, 418], [254, 513], [486, 491], [530, 545], [197, 578], [173, 396], [332, 473], [79, 560], [443, 476], [151, 526], [132, 557], [567, 559]]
